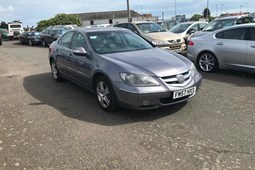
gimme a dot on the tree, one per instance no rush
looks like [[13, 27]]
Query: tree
[[4, 25], [59, 19], [206, 11], [196, 17]]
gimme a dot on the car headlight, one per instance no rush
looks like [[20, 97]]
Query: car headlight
[[193, 70], [160, 42], [138, 80]]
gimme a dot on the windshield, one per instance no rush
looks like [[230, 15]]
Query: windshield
[[117, 41], [33, 33], [150, 27], [59, 32], [179, 28], [218, 24]]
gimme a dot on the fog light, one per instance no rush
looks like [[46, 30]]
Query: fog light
[[146, 102]]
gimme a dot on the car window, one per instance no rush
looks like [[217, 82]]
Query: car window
[[252, 31], [181, 27], [132, 28], [234, 34], [195, 27], [117, 41], [218, 24], [150, 27], [78, 41], [65, 40], [202, 25]]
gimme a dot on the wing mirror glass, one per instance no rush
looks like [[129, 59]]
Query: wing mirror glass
[[80, 51]]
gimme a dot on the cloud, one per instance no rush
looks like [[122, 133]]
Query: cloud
[[9, 9]]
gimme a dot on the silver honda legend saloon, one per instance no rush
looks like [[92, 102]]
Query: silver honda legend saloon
[[123, 69]]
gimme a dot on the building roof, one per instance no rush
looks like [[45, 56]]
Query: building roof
[[107, 15]]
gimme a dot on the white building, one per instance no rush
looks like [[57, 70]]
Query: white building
[[112, 17]]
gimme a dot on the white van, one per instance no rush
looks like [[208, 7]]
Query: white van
[[15, 29]]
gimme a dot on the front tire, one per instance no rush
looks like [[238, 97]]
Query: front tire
[[43, 43], [54, 71], [30, 43], [208, 62], [105, 94]]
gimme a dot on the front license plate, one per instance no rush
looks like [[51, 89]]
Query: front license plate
[[186, 92]]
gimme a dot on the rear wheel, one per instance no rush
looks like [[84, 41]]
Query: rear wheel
[[43, 43], [105, 94], [55, 73], [207, 62]]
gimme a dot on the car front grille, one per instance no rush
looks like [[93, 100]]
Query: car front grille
[[178, 79]]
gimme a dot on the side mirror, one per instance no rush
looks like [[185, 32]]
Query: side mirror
[[80, 51]]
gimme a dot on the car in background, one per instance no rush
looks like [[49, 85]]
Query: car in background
[[223, 22], [70, 27], [185, 29], [4, 34], [166, 24], [15, 29], [123, 69], [51, 34], [156, 35], [30, 38], [229, 48]]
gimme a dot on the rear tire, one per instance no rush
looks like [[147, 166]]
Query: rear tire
[[54, 71], [208, 62], [105, 94]]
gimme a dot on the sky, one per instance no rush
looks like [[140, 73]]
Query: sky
[[31, 12]]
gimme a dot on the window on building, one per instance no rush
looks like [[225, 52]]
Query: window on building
[[91, 22], [110, 21]]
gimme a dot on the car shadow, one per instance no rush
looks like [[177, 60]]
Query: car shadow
[[236, 78], [76, 102]]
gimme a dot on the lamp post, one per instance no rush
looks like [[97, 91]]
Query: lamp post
[[221, 8], [128, 11], [241, 9], [175, 11], [207, 11]]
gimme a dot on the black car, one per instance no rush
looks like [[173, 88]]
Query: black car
[[51, 34], [30, 38], [1, 40]]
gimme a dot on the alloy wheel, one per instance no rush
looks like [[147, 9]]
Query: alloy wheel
[[207, 62], [103, 94]]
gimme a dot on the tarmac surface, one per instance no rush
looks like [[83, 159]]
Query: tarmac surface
[[49, 125]]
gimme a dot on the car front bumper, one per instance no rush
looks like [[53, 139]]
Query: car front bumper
[[143, 98]]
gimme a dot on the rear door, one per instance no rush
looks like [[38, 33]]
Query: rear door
[[62, 51], [250, 57], [230, 47]]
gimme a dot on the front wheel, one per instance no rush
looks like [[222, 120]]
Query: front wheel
[[207, 62], [43, 43], [105, 94], [55, 73], [30, 43]]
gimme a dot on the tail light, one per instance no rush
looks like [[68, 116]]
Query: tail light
[[191, 43], [51, 50]]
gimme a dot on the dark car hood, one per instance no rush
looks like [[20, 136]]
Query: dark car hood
[[155, 62]]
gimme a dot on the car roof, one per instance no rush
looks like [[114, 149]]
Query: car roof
[[101, 29], [231, 17]]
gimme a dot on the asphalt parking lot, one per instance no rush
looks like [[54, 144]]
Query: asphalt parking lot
[[49, 125]]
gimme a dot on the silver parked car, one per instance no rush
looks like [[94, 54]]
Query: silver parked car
[[123, 69], [229, 48]]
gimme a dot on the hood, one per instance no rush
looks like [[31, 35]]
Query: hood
[[155, 62], [165, 36]]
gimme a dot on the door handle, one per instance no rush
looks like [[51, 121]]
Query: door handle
[[70, 55], [220, 43], [253, 46]]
